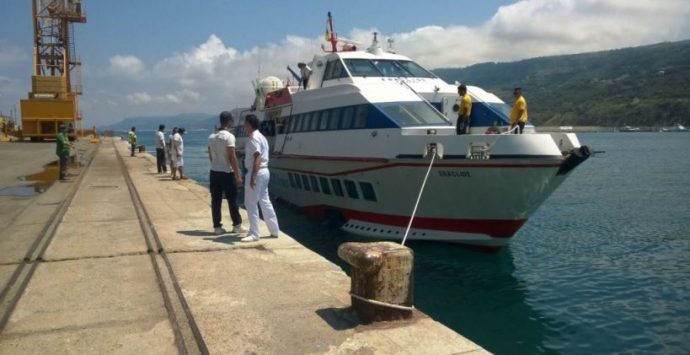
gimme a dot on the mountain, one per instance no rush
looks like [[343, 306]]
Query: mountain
[[648, 85], [186, 120]]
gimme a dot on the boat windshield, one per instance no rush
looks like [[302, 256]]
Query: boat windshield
[[501, 108], [415, 113], [387, 68]]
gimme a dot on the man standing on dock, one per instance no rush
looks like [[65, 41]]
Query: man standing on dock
[[256, 182], [62, 150], [225, 178], [463, 125], [178, 154], [519, 114], [133, 139], [160, 150]]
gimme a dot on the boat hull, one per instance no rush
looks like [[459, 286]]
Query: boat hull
[[482, 202]]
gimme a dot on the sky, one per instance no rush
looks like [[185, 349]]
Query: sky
[[154, 58]]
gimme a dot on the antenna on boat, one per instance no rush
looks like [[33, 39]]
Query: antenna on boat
[[375, 48], [390, 45], [331, 36]]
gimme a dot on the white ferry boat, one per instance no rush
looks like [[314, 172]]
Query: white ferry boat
[[358, 141]]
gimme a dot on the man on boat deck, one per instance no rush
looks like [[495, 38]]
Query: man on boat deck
[[305, 73], [225, 176], [256, 182], [463, 125], [133, 139], [519, 114]]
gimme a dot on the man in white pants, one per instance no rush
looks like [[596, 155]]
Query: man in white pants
[[256, 182]]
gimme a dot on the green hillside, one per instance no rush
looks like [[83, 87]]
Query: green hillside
[[648, 86]]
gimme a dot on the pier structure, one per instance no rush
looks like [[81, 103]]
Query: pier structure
[[121, 260]]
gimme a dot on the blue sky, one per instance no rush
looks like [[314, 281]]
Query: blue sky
[[165, 57]]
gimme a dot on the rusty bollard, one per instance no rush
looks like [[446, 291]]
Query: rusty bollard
[[381, 280]]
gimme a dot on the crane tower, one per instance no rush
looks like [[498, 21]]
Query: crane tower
[[56, 79]]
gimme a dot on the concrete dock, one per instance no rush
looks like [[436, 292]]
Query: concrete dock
[[103, 285]]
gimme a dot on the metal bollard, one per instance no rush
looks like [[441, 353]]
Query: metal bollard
[[381, 287]]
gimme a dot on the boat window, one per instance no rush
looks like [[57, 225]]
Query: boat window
[[298, 182], [337, 187], [390, 68], [305, 182], [334, 70], [351, 189], [415, 69], [325, 116], [314, 183], [267, 128], [324, 185], [306, 120], [415, 113], [292, 180], [361, 116], [335, 118], [347, 118], [291, 124], [315, 121], [367, 191], [362, 67]]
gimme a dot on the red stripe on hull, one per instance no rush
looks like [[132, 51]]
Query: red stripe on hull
[[496, 228]]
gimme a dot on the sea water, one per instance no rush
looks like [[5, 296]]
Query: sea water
[[603, 266]]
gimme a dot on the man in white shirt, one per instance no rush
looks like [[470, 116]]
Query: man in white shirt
[[225, 178], [256, 182], [177, 154], [160, 150]]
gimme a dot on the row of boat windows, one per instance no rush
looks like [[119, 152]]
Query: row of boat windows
[[347, 117], [332, 186]]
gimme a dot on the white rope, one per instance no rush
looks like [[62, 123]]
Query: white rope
[[383, 304], [419, 197]]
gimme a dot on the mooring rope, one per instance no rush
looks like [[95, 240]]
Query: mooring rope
[[419, 196], [382, 304]]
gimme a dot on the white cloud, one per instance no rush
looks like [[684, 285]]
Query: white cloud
[[222, 75], [177, 97], [128, 66]]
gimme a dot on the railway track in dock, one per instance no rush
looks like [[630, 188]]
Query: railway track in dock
[[187, 336]]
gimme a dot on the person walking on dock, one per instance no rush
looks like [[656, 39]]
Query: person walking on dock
[[225, 177], [133, 139], [519, 114], [256, 182], [464, 112], [160, 150], [178, 152], [62, 150]]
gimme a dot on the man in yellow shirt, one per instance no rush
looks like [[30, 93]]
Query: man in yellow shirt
[[519, 115], [464, 112]]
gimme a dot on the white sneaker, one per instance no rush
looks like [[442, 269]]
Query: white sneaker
[[238, 229], [219, 231], [250, 238]]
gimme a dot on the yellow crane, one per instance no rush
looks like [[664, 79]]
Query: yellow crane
[[56, 79]]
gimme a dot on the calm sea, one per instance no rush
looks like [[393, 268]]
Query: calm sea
[[602, 267]]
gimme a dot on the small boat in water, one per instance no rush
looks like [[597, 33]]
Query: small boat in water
[[629, 129], [358, 142], [677, 128]]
